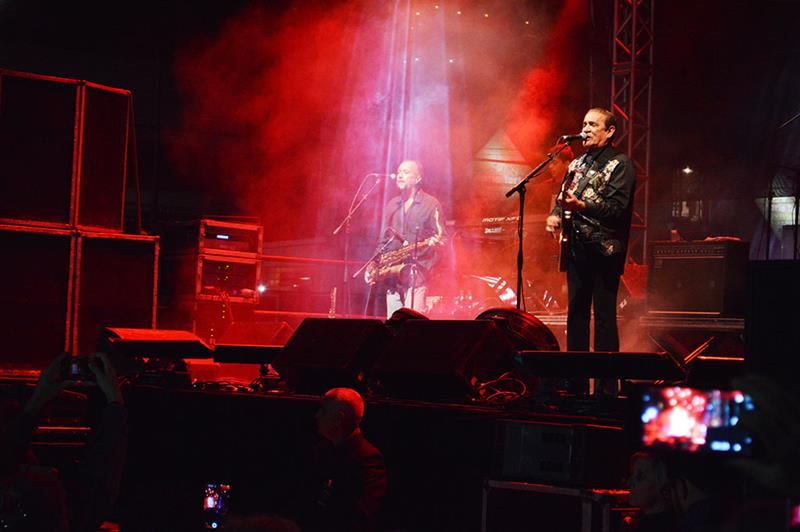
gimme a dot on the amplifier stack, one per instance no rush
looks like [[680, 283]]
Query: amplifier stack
[[70, 269], [210, 274]]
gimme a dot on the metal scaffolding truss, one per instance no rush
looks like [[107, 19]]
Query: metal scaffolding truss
[[631, 96]]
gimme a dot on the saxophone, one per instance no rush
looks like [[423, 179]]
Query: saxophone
[[391, 261]]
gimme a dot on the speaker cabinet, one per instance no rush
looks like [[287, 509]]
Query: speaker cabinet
[[576, 455], [324, 353], [103, 158], [697, 278], [37, 272], [256, 333], [115, 286], [63, 143], [442, 359]]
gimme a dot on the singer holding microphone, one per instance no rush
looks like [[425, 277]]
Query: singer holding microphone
[[415, 232], [598, 191]]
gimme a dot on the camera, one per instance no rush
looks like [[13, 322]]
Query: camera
[[691, 420], [77, 369], [215, 504]]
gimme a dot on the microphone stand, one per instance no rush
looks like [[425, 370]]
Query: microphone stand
[[345, 223], [378, 253], [520, 189], [796, 200], [414, 268]]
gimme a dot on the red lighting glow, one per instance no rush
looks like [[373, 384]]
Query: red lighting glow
[[540, 100]]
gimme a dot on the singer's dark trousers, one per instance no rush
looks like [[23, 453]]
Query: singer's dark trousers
[[593, 281]]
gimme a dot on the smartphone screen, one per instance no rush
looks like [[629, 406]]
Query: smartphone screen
[[76, 369], [215, 504], [696, 421]]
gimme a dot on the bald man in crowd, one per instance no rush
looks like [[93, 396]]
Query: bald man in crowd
[[350, 479]]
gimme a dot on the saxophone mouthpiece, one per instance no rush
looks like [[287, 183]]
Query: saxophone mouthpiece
[[392, 231]]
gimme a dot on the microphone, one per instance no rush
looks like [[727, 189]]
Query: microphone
[[392, 176], [570, 138]]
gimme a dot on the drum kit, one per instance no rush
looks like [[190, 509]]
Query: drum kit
[[481, 275], [477, 293]]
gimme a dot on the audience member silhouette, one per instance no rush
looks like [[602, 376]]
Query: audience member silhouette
[[91, 485], [32, 496], [775, 423], [773, 472], [705, 491], [649, 486], [349, 482]]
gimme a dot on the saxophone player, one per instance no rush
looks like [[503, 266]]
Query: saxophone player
[[410, 247]]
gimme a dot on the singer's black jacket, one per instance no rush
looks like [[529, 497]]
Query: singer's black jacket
[[605, 179]]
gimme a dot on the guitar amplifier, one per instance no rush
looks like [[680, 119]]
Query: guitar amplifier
[[697, 278]]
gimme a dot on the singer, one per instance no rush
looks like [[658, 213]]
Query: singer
[[598, 192], [415, 232]]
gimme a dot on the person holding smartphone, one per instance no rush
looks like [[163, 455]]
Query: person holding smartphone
[[92, 484]]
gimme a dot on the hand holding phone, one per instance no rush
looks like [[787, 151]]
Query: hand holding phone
[[691, 420], [77, 369], [215, 504]]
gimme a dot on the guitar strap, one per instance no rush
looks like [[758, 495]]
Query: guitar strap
[[594, 163]]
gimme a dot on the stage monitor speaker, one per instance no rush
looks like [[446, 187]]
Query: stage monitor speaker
[[159, 343], [443, 359], [714, 372], [252, 342], [36, 296], [697, 278], [325, 353], [609, 365], [256, 333], [524, 330]]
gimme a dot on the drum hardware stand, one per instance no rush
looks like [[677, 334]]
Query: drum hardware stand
[[413, 266]]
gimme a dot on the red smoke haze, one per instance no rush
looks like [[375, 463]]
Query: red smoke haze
[[541, 99], [257, 96]]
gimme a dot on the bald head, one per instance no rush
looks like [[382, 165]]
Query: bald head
[[340, 414], [349, 402], [409, 174]]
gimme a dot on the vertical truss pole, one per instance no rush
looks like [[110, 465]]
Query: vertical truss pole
[[631, 98]]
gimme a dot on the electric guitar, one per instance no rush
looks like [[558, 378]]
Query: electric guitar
[[564, 240]]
